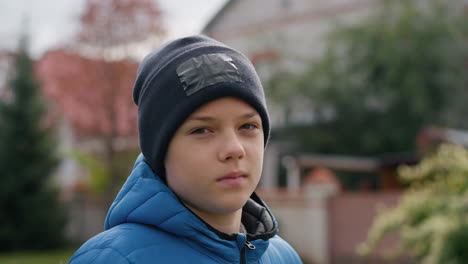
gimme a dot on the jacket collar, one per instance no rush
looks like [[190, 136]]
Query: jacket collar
[[146, 199]]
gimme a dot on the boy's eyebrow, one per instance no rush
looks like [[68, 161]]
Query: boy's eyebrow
[[209, 118], [201, 118], [249, 115]]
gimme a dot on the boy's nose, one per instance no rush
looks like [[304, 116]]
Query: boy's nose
[[231, 148]]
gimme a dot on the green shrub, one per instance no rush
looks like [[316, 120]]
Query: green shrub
[[432, 215]]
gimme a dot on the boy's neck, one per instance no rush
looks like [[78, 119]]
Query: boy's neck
[[227, 223]]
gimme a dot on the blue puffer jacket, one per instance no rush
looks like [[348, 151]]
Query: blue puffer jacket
[[148, 224]]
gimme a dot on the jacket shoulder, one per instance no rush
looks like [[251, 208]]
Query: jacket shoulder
[[279, 251], [98, 256], [118, 244], [131, 243]]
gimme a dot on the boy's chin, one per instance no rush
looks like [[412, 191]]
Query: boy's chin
[[231, 206]]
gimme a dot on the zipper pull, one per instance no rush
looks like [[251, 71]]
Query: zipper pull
[[249, 245]]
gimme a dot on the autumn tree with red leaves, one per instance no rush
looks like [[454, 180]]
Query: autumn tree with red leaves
[[119, 28], [83, 96], [92, 82]]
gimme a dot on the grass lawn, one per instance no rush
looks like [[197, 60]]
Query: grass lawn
[[42, 257]]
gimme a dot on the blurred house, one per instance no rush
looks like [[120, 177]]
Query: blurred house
[[285, 36], [318, 212], [323, 219], [282, 36], [431, 137], [290, 32], [337, 219]]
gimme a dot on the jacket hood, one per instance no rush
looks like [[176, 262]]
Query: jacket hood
[[146, 199]]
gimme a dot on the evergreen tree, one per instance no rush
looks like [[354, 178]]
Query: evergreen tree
[[30, 215]]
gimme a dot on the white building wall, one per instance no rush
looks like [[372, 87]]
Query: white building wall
[[303, 217], [296, 29], [310, 239], [68, 171], [293, 29]]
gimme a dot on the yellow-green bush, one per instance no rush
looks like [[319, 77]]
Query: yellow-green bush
[[432, 215]]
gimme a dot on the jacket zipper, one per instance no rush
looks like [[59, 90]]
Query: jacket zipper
[[250, 246]]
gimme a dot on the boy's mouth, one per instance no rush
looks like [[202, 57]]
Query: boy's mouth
[[233, 178]]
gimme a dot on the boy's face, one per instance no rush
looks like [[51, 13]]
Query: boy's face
[[214, 161]]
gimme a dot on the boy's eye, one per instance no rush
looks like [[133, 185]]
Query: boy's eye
[[250, 126], [200, 131]]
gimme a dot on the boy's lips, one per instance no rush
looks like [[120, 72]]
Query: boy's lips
[[233, 178]]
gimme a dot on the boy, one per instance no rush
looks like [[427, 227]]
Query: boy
[[203, 125]]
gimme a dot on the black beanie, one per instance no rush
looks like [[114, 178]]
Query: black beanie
[[176, 79]]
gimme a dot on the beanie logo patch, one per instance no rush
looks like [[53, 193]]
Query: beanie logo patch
[[205, 70]]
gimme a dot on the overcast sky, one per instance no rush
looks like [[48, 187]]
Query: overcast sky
[[53, 22]]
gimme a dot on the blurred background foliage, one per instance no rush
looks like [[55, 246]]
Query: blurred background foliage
[[432, 215], [33, 257], [83, 88], [99, 178], [31, 215], [381, 81], [96, 170]]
